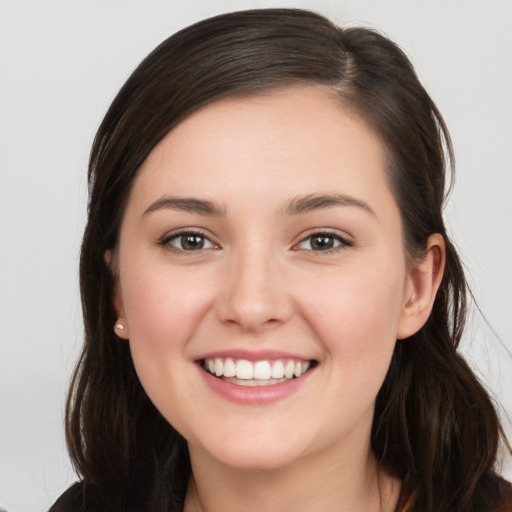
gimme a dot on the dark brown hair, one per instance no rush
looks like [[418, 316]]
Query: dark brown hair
[[434, 427]]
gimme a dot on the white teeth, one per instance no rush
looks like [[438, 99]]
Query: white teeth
[[229, 368], [278, 370], [259, 373], [262, 370], [244, 369], [218, 367], [257, 382], [288, 369], [247, 382]]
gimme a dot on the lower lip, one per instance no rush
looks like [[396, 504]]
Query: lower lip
[[254, 395]]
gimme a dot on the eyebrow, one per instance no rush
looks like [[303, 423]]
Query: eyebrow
[[311, 202], [186, 204], [296, 206]]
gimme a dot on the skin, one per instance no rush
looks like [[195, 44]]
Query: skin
[[259, 284]]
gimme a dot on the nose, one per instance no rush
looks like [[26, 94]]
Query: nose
[[253, 296]]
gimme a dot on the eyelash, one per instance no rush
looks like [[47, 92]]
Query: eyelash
[[343, 242], [167, 239]]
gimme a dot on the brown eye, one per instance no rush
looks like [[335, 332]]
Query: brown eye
[[324, 242], [189, 241]]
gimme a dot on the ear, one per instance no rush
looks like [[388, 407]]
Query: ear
[[421, 288], [121, 325]]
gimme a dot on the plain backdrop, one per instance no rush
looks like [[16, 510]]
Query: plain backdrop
[[62, 62]]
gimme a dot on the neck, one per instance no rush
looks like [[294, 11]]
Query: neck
[[327, 483]]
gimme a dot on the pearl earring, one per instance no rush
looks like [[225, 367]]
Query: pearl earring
[[119, 326]]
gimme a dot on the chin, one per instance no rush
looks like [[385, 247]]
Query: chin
[[257, 460], [261, 454]]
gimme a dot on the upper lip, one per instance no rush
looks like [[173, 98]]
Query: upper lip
[[253, 355]]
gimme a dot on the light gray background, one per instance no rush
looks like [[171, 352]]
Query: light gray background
[[61, 63]]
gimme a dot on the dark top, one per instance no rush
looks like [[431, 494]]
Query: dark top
[[72, 500]]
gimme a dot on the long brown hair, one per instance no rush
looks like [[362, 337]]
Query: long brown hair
[[434, 426]]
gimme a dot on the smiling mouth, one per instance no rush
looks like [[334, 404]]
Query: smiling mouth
[[258, 373]]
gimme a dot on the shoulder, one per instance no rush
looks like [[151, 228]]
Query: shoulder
[[506, 491], [72, 500], [499, 492]]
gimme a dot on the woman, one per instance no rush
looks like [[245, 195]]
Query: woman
[[272, 304]]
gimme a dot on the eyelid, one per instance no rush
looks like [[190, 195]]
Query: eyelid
[[344, 239], [165, 240]]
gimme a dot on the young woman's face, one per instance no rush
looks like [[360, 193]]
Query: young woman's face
[[261, 242]]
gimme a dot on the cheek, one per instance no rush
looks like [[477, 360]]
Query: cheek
[[156, 299], [356, 318], [162, 310]]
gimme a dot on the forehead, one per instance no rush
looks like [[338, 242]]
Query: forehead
[[291, 141]]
